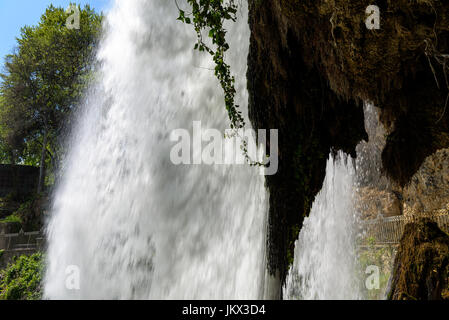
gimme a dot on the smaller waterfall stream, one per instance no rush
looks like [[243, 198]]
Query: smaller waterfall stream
[[133, 224], [325, 260]]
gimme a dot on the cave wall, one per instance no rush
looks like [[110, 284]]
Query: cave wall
[[312, 64]]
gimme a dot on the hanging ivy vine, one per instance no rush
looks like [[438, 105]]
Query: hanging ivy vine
[[208, 17]]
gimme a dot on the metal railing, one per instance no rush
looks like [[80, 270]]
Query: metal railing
[[21, 240], [389, 230]]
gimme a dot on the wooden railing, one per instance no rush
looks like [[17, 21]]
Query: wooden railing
[[389, 230]]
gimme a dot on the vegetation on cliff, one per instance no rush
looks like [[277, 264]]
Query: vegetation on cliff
[[21, 280], [421, 267], [209, 16]]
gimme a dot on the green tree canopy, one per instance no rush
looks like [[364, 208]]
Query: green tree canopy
[[42, 82]]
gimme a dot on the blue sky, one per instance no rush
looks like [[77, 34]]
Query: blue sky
[[14, 14]]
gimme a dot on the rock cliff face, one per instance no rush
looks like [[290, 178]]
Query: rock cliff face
[[310, 66], [421, 267], [426, 194], [372, 201], [428, 191]]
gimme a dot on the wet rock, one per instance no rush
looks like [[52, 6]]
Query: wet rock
[[428, 191], [372, 201], [421, 267]]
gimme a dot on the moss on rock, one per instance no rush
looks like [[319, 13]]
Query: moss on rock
[[421, 267]]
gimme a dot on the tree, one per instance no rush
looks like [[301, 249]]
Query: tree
[[43, 81]]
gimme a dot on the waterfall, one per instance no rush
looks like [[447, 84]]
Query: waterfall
[[325, 261], [325, 264], [125, 220]]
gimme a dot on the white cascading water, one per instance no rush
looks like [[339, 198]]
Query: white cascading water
[[135, 225], [324, 265]]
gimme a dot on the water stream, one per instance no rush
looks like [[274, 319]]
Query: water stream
[[325, 261], [125, 219], [326, 265]]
